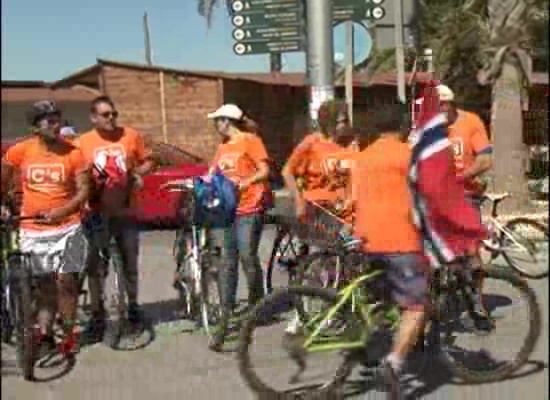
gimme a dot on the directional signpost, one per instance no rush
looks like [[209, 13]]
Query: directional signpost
[[268, 26], [278, 26], [357, 10]]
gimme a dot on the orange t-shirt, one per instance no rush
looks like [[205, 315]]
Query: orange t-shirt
[[125, 152], [469, 138], [308, 162], [383, 203], [48, 179], [239, 160]]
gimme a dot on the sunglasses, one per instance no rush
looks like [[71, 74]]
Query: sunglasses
[[51, 121], [109, 114]]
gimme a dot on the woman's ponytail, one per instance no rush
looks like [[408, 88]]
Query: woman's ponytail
[[247, 124]]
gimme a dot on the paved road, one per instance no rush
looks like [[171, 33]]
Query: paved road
[[177, 365]]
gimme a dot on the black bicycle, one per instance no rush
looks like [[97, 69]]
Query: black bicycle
[[18, 306]]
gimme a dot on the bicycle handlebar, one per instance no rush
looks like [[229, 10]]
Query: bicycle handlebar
[[179, 185]]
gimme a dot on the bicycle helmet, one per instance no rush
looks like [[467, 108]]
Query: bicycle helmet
[[40, 109]]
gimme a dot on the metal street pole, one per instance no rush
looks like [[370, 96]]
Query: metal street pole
[[320, 50], [428, 54], [399, 52], [148, 53], [349, 69]]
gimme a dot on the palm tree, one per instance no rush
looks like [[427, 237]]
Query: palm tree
[[490, 40], [507, 68], [206, 9]]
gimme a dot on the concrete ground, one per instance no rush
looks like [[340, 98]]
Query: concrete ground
[[177, 364]]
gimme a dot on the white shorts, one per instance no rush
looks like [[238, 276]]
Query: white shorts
[[61, 251]]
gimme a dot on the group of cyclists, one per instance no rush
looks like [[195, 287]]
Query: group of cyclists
[[410, 198], [76, 196]]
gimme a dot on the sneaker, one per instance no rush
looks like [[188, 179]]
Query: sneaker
[[216, 344], [390, 379], [69, 344], [218, 339], [96, 329]]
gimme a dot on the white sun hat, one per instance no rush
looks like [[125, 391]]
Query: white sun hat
[[445, 93], [227, 111]]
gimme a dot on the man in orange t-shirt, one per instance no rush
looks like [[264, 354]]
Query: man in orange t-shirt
[[383, 219], [54, 178], [472, 148], [119, 161], [305, 172]]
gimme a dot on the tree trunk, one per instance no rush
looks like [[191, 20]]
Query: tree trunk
[[507, 132]]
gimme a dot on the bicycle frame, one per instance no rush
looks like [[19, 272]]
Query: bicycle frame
[[500, 228], [10, 237], [194, 248], [362, 310]]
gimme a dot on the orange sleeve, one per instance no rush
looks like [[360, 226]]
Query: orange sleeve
[[479, 138], [16, 154], [78, 162], [256, 150]]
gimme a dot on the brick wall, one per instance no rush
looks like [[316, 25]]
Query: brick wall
[[137, 94], [188, 101], [280, 111]]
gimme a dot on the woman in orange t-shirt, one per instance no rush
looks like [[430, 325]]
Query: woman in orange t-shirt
[[306, 172], [243, 159]]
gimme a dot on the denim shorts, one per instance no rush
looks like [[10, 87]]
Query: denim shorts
[[406, 277]]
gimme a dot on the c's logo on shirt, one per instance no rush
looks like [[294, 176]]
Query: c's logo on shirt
[[42, 177], [330, 165], [114, 152], [458, 147], [228, 162]]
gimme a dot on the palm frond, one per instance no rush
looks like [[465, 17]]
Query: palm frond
[[205, 8]]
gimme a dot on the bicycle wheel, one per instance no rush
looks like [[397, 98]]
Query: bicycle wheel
[[23, 311], [117, 321], [7, 310], [284, 248], [211, 308], [342, 336], [525, 247], [480, 366]]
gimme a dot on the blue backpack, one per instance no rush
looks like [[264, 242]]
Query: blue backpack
[[216, 201]]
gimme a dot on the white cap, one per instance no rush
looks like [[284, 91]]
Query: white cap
[[67, 131], [227, 111], [445, 93]]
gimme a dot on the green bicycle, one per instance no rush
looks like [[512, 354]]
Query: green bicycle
[[357, 323]]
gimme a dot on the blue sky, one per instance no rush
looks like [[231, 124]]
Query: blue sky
[[47, 40]]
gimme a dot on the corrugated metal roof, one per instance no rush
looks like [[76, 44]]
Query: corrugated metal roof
[[296, 79]]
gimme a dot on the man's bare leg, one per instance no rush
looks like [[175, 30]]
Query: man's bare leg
[[412, 324]]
